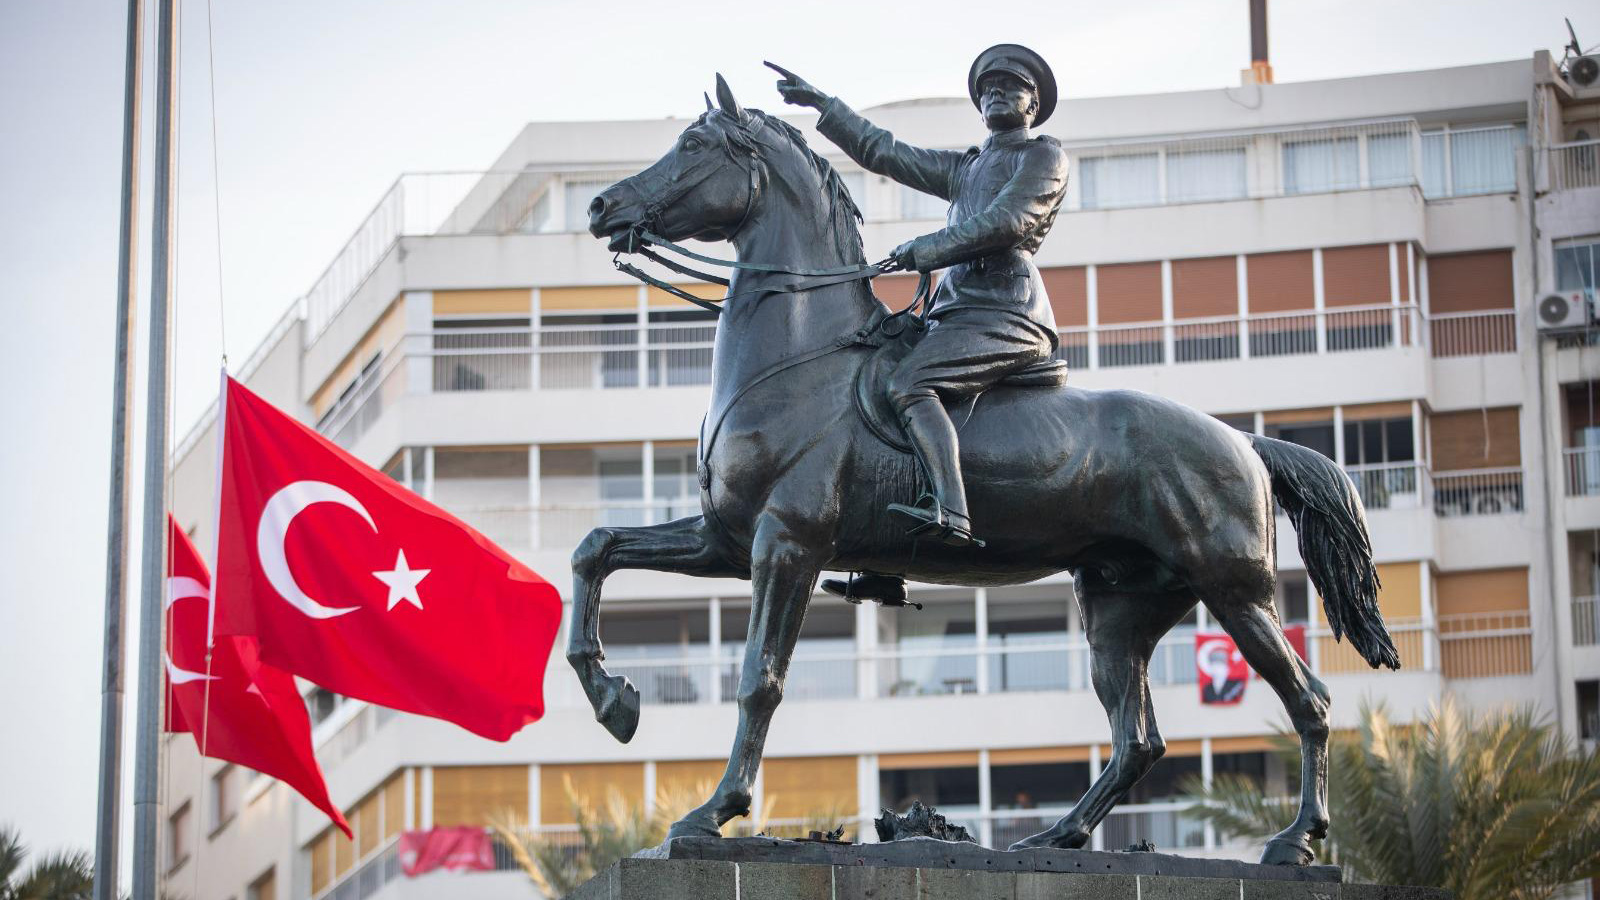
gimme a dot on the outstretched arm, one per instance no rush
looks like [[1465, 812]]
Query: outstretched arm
[[874, 149], [1032, 195]]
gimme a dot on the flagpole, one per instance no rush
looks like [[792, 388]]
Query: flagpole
[[108, 812], [147, 755]]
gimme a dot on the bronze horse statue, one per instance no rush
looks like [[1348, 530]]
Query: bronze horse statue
[[1151, 505]]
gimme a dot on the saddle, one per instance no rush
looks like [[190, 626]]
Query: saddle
[[899, 334]]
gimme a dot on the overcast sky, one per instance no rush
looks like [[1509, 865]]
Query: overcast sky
[[320, 105]]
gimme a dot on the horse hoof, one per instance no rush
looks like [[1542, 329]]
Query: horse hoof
[[1287, 852], [1053, 840], [618, 709], [695, 824]]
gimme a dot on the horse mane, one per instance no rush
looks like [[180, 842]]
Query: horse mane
[[843, 214]]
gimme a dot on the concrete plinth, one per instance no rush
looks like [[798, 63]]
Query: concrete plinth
[[925, 869]]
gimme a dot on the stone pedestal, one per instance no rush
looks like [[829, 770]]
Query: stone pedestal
[[925, 869]]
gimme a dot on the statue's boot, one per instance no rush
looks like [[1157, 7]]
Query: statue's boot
[[890, 590], [942, 514]]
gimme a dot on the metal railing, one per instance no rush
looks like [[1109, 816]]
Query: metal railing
[[1477, 492], [1574, 165], [1400, 485], [1585, 621], [380, 867], [1483, 645], [1472, 333], [1582, 466]]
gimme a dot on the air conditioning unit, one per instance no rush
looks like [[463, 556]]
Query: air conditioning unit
[[1584, 70], [1565, 311]]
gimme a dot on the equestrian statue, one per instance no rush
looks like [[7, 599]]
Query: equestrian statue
[[940, 443]]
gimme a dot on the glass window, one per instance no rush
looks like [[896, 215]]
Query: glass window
[[224, 796], [539, 219], [321, 703], [578, 195], [1434, 180], [1245, 765], [666, 653], [470, 354], [1163, 780], [676, 487], [1200, 175], [576, 350], [1578, 266], [1125, 180], [178, 837], [1316, 435], [1324, 164], [915, 205], [1377, 441], [1293, 598], [855, 183], [954, 790], [1027, 641], [932, 650], [1484, 161], [1039, 784], [1589, 710], [681, 342], [1245, 422], [1388, 160]]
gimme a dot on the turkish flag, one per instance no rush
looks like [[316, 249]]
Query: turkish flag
[[461, 848], [354, 582], [237, 708]]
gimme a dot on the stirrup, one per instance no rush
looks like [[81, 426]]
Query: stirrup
[[933, 523]]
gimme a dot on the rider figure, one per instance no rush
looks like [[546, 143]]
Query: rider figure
[[991, 317]]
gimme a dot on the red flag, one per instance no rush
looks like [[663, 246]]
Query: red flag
[[460, 848], [237, 708], [352, 581], [1297, 639], [1222, 669]]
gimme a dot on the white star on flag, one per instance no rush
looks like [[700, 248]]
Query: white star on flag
[[402, 581]]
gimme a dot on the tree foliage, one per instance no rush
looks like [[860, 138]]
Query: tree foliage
[[59, 876], [1489, 806]]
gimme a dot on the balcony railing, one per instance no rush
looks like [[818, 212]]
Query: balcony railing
[[371, 873], [1483, 645], [1586, 621], [1583, 471], [1473, 333], [1574, 165], [1477, 492]]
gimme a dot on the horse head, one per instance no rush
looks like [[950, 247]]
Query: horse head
[[715, 182]]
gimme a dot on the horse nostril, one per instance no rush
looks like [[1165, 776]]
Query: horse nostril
[[597, 206]]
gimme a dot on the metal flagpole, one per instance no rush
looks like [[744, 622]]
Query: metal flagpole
[[147, 753], [108, 814]]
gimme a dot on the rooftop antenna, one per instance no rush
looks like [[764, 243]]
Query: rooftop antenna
[[1260, 71]]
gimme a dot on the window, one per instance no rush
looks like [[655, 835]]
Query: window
[[953, 789], [1378, 441], [575, 350], [1126, 180], [224, 797], [855, 184], [939, 639], [371, 403], [1025, 640], [1316, 435], [469, 356], [1389, 160], [578, 195], [915, 205], [1589, 710], [1474, 161], [1578, 265], [1293, 598], [676, 487], [178, 837], [672, 366], [265, 887], [1038, 784], [1201, 175], [1324, 164], [653, 649], [321, 703]]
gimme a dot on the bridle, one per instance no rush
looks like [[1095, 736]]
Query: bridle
[[640, 237]]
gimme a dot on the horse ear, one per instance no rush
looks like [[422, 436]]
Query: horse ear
[[709, 107], [726, 101]]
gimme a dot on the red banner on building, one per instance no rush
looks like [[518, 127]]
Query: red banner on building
[[462, 849], [1222, 671]]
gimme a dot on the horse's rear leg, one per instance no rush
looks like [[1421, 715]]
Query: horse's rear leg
[[683, 546], [1251, 620], [1123, 630], [783, 575]]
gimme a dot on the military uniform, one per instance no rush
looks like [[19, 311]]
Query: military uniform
[[991, 315]]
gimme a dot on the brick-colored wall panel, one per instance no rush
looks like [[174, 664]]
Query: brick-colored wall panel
[[1463, 282], [1280, 282], [592, 783], [1205, 287], [477, 795], [1128, 292], [1459, 439], [1068, 287], [1482, 591], [810, 786], [895, 291], [1355, 276]]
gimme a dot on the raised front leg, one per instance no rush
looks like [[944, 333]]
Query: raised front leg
[[683, 546], [784, 573]]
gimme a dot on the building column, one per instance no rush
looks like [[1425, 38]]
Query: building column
[[1430, 621], [644, 336], [406, 476], [866, 652], [1242, 278], [427, 474], [714, 683], [980, 604], [1338, 435], [647, 473], [426, 820], [535, 816], [1394, 292], [534, 462], [416, 343], [649, 786], [1318, 300], [985, 801], [1205, 776], [1097, 840], [410, 818], [1091, 288], [535, 337], [1169, 342], [866, 797]]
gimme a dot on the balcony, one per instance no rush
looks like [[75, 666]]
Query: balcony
[[1573, 165], [1144, 172], [679, 354]]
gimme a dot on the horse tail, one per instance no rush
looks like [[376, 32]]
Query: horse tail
[[1332, 527]]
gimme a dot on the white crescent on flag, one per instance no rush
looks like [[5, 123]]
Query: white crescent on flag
[[274, 526], [182, 587]]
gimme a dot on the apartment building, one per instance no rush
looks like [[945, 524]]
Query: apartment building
[[1354, 265]]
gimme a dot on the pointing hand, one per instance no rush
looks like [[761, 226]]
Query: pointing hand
[[795, 89]]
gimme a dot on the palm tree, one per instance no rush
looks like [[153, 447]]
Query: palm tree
[[1492, 806], [61, 876]]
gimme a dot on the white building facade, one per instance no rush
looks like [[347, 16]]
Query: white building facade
[[1353, 265]]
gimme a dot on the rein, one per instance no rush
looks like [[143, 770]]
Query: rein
[[640, 239]]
